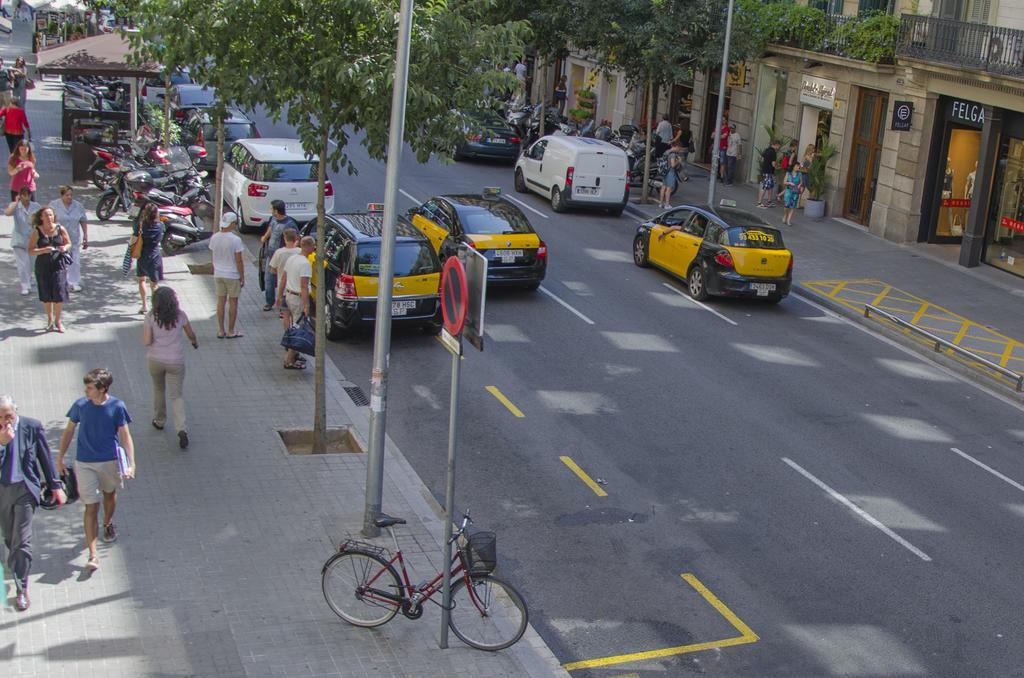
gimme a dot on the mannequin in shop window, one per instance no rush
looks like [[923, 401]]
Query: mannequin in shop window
[[969, 186], [952, 222]]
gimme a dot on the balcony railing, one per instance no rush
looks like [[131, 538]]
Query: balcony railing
[[958, 43], [849, 36]]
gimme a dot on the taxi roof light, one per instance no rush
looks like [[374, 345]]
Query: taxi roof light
[[375, 207], [726, 202], [492, 192]]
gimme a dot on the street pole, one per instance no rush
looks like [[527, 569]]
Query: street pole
[[449, 501], [382, 331], [721, 108], [647, 148]]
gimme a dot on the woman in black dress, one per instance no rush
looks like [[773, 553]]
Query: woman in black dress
[[151, 264], [49, 243]]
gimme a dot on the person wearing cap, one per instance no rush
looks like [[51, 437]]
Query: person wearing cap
[[228, 273], [732, 154]]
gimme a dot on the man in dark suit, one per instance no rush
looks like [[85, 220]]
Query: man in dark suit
[[24, 454]]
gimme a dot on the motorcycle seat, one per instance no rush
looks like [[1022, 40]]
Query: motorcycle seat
[[174, 209]]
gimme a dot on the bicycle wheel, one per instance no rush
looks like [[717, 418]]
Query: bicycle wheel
[[354, 584], [489, 616]]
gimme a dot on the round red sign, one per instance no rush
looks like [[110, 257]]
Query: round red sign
[[454, 295]]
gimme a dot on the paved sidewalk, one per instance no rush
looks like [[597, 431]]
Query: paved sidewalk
[[837, 250], [217, 569]]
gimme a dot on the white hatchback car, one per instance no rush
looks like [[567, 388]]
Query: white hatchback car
[[258, 171]]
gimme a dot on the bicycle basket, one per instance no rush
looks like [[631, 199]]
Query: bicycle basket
[[481, 553]]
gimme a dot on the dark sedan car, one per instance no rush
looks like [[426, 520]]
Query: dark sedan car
[[718, 251], [488, 136], [199, 130], [187, 97]]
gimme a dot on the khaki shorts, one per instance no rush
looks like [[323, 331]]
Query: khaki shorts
[[227, 287], [95, 477], [294, 304]]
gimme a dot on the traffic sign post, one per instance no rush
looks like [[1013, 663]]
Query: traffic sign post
[[453, 313], [462, 308]]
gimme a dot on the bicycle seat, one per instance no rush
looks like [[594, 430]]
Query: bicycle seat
[[384, 520]]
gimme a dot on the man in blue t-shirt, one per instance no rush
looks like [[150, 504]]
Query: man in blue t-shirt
[[102, 423]]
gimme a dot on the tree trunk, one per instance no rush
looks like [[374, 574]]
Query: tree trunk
[[167, 110], [647, 149], [218, 187], [319, 383]]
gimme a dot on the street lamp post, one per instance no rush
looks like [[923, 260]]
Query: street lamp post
[[715, 161], [382, 327]]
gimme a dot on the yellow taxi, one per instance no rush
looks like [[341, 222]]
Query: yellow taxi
[[516, 256], [720, 251], [352, 268]]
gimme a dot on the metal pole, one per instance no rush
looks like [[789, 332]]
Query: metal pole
[[449, 502], [382, 331], [721, 108], [133, 106], [648, 153]]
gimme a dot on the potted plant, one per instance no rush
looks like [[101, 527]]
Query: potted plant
[[817, 179]]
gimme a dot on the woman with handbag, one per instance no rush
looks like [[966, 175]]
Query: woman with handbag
[[50, 244], [150, 232]]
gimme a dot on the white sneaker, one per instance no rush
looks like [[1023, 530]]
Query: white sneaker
[[24, 291], [76, 288]]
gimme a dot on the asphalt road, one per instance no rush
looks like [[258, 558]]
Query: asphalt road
[[855, 508]]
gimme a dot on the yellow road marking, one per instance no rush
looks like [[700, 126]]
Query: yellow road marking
[[835, 291], [505, 401], [746, 636], [587, 480], [881, 295], [1007, 352]]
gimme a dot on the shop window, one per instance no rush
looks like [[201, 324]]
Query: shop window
[[1005, 248], [956, 181]]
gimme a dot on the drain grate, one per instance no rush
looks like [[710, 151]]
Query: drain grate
[[357, 395]]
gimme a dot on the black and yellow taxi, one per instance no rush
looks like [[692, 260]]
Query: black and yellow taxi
[[490, 224], [720, 251], [352, 244]]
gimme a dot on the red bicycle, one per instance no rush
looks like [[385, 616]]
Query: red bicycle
[[361, 585]]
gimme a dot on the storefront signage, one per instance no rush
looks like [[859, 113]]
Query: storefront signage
[[956, 202], [737, 76], [818, 92], [1012, 224], [966, 112], [902, 115]]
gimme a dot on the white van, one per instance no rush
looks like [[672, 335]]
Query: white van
[[575, 172]]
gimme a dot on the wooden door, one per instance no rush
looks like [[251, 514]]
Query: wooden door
[[865, 155]]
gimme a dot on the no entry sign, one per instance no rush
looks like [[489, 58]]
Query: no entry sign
[[454, 296]]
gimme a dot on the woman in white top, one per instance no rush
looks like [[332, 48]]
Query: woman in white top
[[71, 215]]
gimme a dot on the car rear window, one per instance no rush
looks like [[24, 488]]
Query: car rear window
[[233, 131], [180, 79], [500, 219], [197, 98], [757, 237], [411, 258], [286, 171]]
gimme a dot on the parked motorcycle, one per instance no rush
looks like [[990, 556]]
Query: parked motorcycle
[[182, 225], [182, 187]]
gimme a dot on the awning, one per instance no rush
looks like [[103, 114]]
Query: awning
[[36, 4], [106, 54]]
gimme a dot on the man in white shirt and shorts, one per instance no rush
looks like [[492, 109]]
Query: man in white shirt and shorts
[[228, 273], [295, 284]]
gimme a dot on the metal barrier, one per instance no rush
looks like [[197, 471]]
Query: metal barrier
[[940, 343]]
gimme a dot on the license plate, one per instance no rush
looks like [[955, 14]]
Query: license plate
[[586, 190], [497, 140], [402, 307], [296, 205], [133, 211], [508, 255], [762, 289]]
